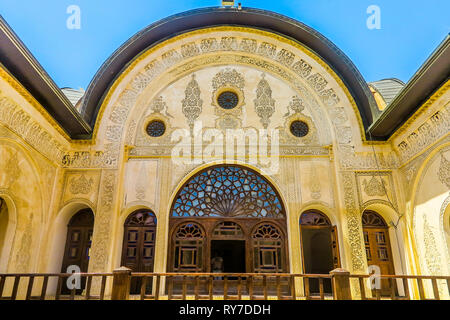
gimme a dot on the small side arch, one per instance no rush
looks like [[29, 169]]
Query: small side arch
[[397, 230], [8, 225], [59, 232], [445, 227]]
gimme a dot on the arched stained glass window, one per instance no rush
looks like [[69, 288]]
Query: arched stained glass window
[[228, 191], [373, 219], [314, 218]]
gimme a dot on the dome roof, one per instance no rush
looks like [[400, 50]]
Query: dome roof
[[388, 88]]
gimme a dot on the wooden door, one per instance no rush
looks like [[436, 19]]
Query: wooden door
[[139, 245], [320, 249], [378, 247], [78, 245]]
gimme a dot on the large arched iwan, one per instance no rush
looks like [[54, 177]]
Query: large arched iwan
[[229, 212]]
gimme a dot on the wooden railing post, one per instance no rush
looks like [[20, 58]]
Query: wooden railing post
[[121, 284], [341, 284]]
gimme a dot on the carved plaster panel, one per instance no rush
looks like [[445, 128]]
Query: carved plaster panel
[[80, 184]]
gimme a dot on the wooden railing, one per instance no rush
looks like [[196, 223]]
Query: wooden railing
[[400, 287], [36, 286], [230, 286], [207, 286]]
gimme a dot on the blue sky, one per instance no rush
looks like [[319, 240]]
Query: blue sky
[[410, 31]]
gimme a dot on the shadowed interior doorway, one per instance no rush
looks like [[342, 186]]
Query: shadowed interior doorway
[[319, 248], [232, 252]]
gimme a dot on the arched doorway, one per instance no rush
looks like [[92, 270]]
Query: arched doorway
[[78, 244], [320, 250], [4, 218], [230, 212], [378, 246], [138, 251]]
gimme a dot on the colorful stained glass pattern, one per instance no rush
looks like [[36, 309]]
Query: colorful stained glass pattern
[[228, 191]]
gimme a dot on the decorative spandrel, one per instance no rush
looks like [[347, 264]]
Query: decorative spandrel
[[228, 191]]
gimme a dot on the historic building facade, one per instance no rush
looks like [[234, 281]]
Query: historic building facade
[[205, 136]]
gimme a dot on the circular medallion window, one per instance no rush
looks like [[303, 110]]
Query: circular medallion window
[[299, 128], [156, 128], [228, 100]]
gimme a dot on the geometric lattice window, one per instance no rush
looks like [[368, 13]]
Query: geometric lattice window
[[228, 100], [228, 191], [156, 128], [299, 128], [267, 249], [314, 218], [228, 229], [189, 241], [373, 219]]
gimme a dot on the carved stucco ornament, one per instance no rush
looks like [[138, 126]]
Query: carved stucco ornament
[[264, 104], [444, 171], [295, 105], [228, 77], [192, 104], [23, 256], [13, 170], [374, 187], [286, 137], [160, 106], [432, 255], [224, 80], [81, 185]]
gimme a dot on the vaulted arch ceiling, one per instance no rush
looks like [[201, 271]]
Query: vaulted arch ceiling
[[247, 17]]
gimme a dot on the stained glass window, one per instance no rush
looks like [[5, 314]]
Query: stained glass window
[[372, 219], [228, 191], [314, 218], [299, 128], [228, 100], [156, 128]]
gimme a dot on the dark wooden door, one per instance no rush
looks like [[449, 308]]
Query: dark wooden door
[[139, 245], [378, 247], [78, 245]]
